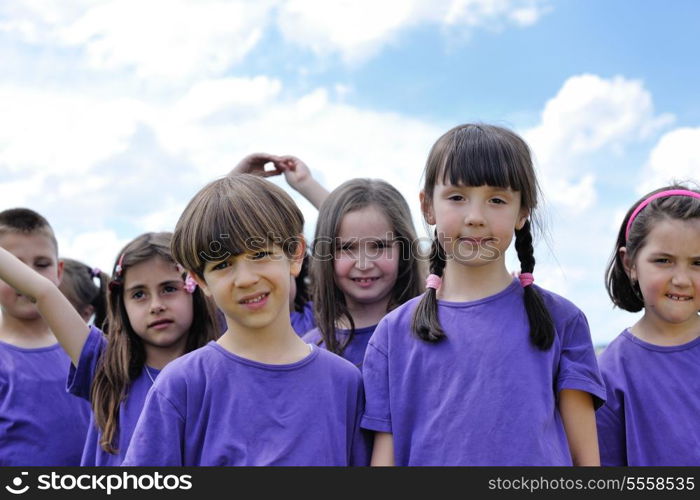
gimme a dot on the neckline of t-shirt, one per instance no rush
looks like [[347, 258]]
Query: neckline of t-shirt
[[358, 331], [31, 350], [513, 287], [265, 366], [660, 348]]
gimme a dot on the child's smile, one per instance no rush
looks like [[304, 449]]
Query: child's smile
[[667, 268]]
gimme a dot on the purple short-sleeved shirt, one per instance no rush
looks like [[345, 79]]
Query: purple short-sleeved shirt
[[211, 407], [355, 351], [303, 321], [652, 413], [484, 395], [40, 424], [80, 382]]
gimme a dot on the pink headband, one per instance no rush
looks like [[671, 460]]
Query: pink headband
[[662, 194]]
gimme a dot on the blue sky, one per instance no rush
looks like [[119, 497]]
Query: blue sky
[[116, 111]]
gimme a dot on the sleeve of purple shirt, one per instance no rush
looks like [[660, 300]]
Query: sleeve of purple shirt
[[79, 380], [159, 434], [578, 368], [375, 373]]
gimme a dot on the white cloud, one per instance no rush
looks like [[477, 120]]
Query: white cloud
[[358, 29], [162, 39], [175, 40], [62, 131], [588, 114], [676, 157], [94, 248]]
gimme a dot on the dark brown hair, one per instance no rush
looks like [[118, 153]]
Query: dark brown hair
[[625, 293], [78, 285], [232, 216], [329, 301], [124, 357], [478, 155]]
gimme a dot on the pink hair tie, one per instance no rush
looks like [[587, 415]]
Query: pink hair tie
[[433, 281], [190, 284], [118, 270], [526, 279], [662, 194]]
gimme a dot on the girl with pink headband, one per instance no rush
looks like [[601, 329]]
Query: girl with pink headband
[[652, 369], [483, 368]]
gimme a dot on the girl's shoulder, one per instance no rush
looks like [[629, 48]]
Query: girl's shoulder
[[404, 312], [337, 366], [560, 308]]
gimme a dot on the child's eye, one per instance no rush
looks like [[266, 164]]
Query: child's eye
[[138, 295], [221, 265], [260, 255], [455, 197], [170, 289], [662, 260], [498, 201], [377, 245]]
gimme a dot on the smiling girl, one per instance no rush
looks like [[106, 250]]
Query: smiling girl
[[364, 264], [154, 316], [652, 369]]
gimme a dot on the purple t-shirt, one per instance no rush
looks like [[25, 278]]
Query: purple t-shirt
[[40, 424], [652, 413], [80, 382], [484, 395], [211, 407], [303, 321], [355, 351]]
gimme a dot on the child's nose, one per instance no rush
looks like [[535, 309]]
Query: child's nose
[[680, 278], [474, 216], [364, 261], [157, 305], [245, 276]]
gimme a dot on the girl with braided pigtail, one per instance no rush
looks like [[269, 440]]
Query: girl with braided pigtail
[[483, 368]]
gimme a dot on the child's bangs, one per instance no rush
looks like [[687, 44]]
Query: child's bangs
[[242, 227], [479, 163]]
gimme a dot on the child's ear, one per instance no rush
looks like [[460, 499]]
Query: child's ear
[[427, 209], [201, 284], [298, 257], [59, 271], [524, 214], [628, 264]]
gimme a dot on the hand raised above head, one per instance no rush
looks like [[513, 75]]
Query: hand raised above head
[[296, 172], [255, 164]]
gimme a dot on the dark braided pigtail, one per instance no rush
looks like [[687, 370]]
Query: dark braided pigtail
[[541, 325], [426, 323]]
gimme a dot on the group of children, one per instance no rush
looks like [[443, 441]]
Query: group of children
[[232, 342]]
